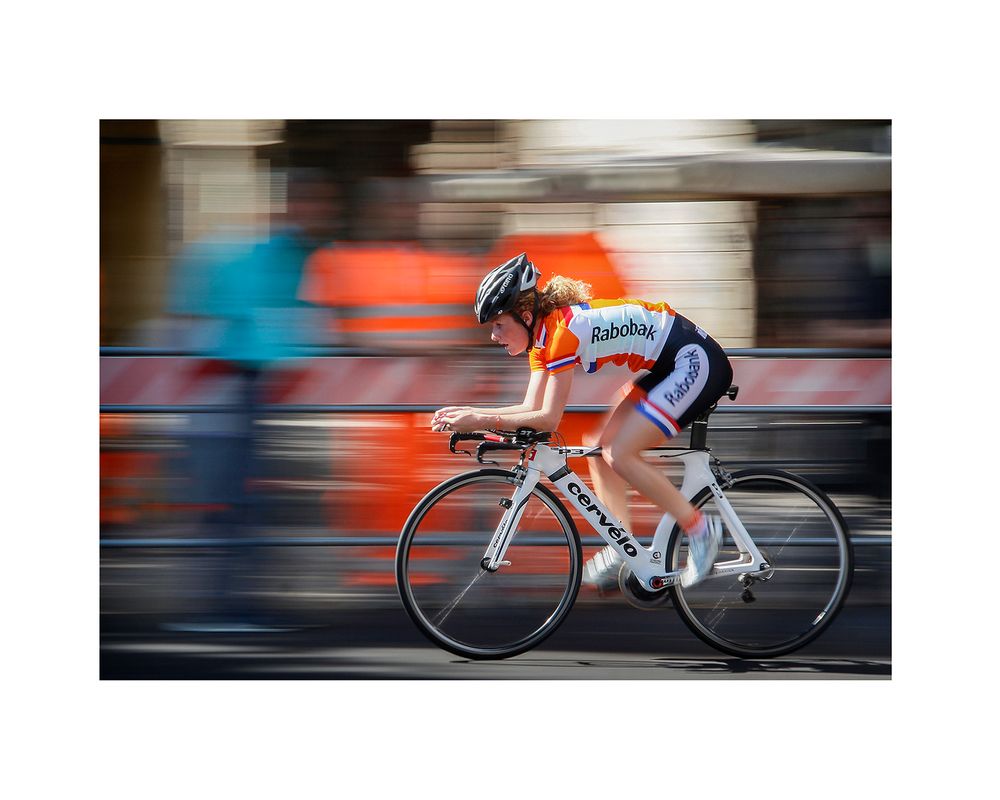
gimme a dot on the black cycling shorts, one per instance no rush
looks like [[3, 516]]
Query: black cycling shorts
[[691, 373]]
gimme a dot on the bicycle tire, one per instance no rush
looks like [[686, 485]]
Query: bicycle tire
[[500, 614], [804, 538]]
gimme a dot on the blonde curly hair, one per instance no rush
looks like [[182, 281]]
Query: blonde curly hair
[[558, 293]]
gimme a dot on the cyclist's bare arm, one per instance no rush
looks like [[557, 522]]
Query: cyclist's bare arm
[[532, 399], [545, 400], [554, 391]]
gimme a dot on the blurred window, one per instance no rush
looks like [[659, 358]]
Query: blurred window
[[858, 135], [824, 272]]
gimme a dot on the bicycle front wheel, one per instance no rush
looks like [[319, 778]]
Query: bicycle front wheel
[[465, 609], [804, 539]]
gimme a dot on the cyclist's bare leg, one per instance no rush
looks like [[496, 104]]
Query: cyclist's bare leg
[[602, 569], [635, 433], [638, 433], [609, 486]]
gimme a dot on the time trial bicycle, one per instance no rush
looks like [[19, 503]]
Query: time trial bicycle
[[489, 563]]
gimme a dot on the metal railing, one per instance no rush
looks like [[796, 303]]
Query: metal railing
[[343, 352]]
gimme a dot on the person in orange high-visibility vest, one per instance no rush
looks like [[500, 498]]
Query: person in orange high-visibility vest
[[393, 297]]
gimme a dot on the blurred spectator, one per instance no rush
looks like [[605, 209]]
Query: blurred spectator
[[238, 297]]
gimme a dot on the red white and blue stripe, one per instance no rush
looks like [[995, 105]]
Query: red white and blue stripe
[[658, 416], [562, 362]]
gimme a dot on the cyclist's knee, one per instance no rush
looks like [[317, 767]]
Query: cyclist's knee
[[617, 457]]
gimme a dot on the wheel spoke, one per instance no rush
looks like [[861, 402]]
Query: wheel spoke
[[443, 615]]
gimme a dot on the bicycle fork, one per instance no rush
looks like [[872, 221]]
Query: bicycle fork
[[493, 558]]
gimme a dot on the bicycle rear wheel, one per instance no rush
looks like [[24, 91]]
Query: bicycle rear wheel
[[465, 609], [803, 537]]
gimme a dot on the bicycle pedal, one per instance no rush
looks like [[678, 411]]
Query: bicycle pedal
[[747, 596], [503, 563]]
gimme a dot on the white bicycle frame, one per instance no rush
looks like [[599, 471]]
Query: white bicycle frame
[[647, 564]]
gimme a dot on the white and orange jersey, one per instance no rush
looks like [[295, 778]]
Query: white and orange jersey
[[621, 332]]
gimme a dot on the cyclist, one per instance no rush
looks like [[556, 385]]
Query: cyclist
[[561, 327]]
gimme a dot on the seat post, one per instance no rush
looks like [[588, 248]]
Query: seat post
[[699, 431], [699, 428]]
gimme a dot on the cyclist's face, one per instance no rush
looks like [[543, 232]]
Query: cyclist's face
[[507, 332]]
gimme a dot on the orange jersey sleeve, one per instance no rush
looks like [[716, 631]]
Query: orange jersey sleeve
[[557, 347]]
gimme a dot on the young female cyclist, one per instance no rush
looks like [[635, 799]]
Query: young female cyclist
[[562, 327]]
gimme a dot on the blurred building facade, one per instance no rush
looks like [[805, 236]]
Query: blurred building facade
[[758, 256]]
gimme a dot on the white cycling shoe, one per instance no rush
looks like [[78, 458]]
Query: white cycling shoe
[[702, 550], [601, 571]]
